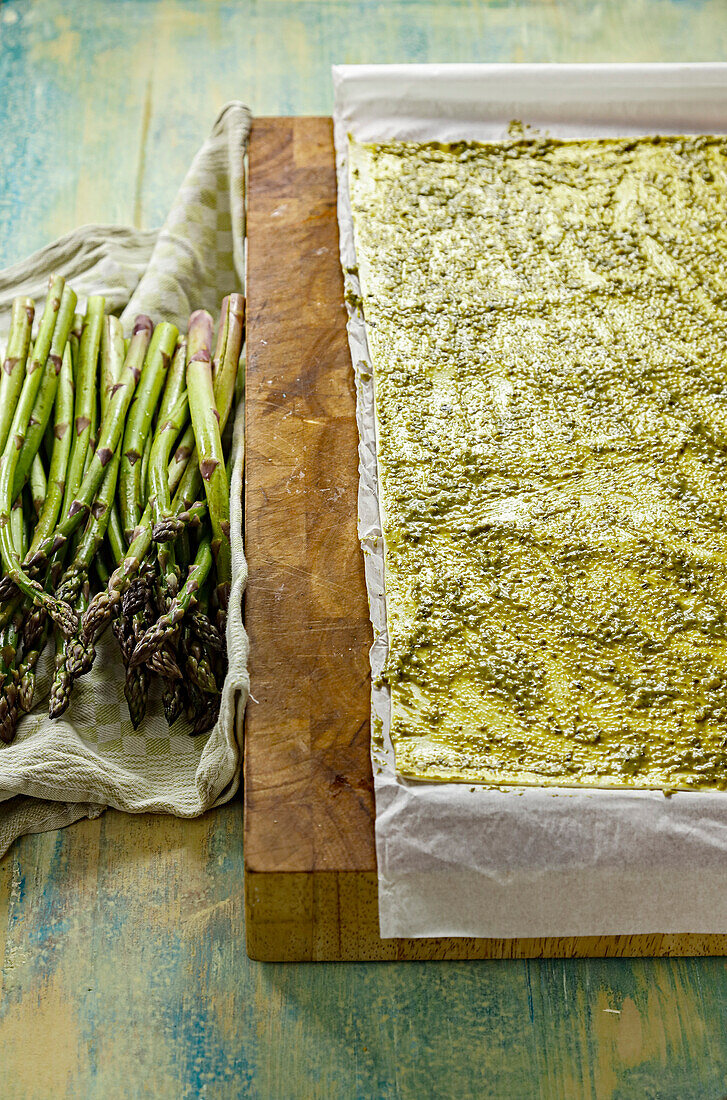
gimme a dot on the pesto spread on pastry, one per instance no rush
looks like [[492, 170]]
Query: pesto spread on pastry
[[548, 328]]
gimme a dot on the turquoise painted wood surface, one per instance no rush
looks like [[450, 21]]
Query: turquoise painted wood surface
[[122, 965]]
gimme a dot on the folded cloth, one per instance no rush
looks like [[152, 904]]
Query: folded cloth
[[56, 772]]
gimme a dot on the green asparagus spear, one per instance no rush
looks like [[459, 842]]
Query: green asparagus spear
[[181, 458], [227, 353], [167, 431], [85, 378], [74, 338], [206, 424], [38, 485], [117, 542], [176, 381], [144, 475], [13, 368], [61, 451], [112, 358], [139, 422], [17, 526]]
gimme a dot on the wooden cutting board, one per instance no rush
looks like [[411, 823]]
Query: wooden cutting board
[[310, 863]]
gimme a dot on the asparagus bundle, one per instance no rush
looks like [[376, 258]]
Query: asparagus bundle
[[114, 503]]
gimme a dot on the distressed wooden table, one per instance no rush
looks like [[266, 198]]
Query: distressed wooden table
[[122, 965]]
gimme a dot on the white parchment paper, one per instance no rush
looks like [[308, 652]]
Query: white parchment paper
[[455, 860]]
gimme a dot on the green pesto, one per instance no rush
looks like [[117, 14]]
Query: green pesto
[[548, 327]]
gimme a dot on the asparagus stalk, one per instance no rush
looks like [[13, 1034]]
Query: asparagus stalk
[[75, 338], [227, 353], [182, 548], [224, 365], [17, 526], [135, 598], [167, 431], [207, 718], [112, 358], [85, 397], [181, 458], [92, 437], [143, 476], [38, 485], [139, 422], [62, 437], [13, 369], [117, 542], [158, 655], [95, 532], [102, 570], [159, 487], [176, 381], [206, 424], [104, 604]]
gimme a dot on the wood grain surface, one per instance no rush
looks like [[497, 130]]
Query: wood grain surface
[[308, 784], [122, 962]]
